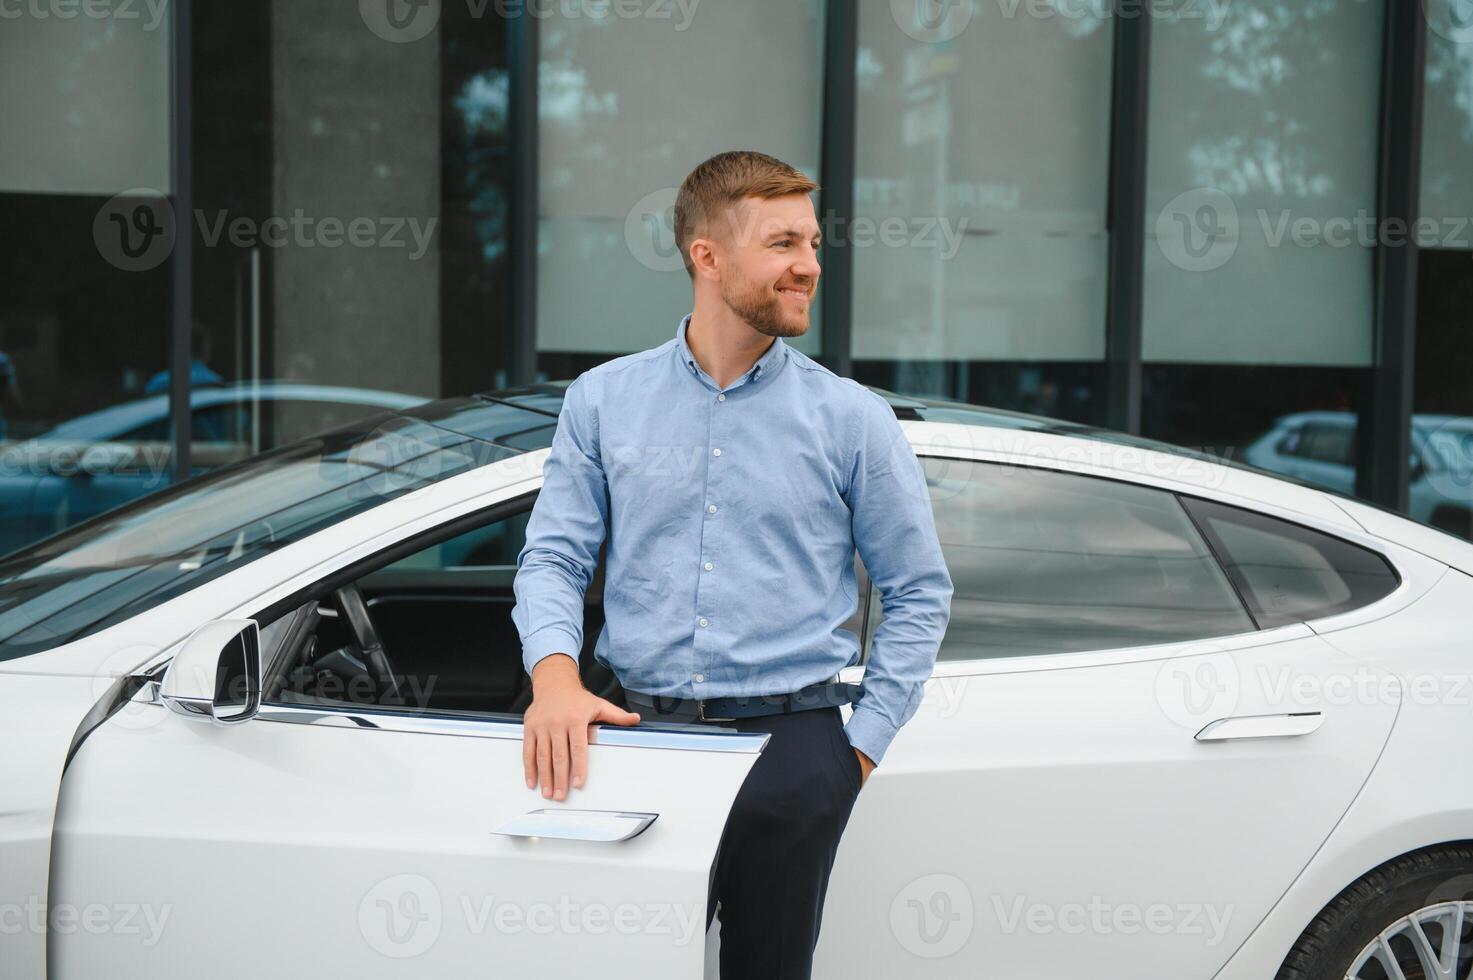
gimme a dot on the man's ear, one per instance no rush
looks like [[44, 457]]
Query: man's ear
[[704, 260]]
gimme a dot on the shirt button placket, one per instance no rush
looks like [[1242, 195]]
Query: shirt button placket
[[706, 604]]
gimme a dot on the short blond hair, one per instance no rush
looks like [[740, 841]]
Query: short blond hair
[[720, 182]]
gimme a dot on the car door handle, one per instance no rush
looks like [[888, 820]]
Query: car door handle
[[599, 826], [1260, 726]]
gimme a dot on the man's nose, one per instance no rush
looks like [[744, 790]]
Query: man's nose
[[806, 263]]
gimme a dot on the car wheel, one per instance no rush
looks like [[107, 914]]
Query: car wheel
[[1412, 917]]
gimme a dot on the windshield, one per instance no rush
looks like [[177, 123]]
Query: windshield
[[147, 552]]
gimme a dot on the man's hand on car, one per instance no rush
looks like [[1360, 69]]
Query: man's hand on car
[[556, 725]]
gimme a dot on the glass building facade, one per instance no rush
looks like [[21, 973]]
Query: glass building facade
[[1242, 227]]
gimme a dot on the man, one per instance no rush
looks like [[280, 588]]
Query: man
[[734, 478]]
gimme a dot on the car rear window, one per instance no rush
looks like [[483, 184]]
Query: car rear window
[[1286, 572]]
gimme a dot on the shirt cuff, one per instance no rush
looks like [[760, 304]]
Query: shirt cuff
[[544, 643], [870, 733]]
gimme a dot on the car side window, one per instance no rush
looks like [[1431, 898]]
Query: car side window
[[1331, 444], [441, 615], [1046, 562], [1286, 572]]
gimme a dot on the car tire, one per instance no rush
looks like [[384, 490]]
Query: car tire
[[1427, 884]]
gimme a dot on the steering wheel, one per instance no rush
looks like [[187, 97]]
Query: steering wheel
[[350, 601]]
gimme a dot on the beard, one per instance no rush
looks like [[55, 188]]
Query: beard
[[762, 309]]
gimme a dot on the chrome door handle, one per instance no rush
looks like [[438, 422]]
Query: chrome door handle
[[599, 826], [1260, 726]]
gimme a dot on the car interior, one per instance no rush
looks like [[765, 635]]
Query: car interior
[[431, 631]]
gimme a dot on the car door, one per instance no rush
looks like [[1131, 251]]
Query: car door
[[376, 842], [367, 845], [1055, 807]]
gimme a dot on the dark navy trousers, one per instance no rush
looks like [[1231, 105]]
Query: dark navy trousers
[[778, 846]]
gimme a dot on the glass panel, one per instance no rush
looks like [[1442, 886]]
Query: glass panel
[[84, 291], [1260, 216], [149, 551], [1262, 184], [980, 234], [1441, 479], [1287, 572], [620, 129], [350, 238], [1047, 562]]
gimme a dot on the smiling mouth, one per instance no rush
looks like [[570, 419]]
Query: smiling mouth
[[799, 294]]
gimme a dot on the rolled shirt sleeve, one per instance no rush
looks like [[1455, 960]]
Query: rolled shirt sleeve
[[895, 533], [564, 533]]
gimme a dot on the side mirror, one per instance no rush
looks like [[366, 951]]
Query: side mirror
[[217, 673]]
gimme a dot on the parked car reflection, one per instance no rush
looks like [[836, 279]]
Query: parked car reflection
[[1319, 448], [94, 462]]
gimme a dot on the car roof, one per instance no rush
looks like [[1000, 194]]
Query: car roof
[[547, 397]]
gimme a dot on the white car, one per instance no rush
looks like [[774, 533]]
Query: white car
[[1190, 720]]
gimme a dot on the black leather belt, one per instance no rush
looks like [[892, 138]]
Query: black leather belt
[[667, 707]]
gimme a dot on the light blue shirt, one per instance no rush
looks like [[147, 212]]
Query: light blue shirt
[[732, 516]]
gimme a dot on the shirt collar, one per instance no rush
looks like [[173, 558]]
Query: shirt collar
[[766, 365]]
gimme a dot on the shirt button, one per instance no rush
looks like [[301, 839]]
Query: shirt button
[[709, 566], [704, 621], [715, 452], [699, 678], [721, 398], [711, 509]]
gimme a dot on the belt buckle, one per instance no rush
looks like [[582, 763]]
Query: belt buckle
[[701, 712]]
